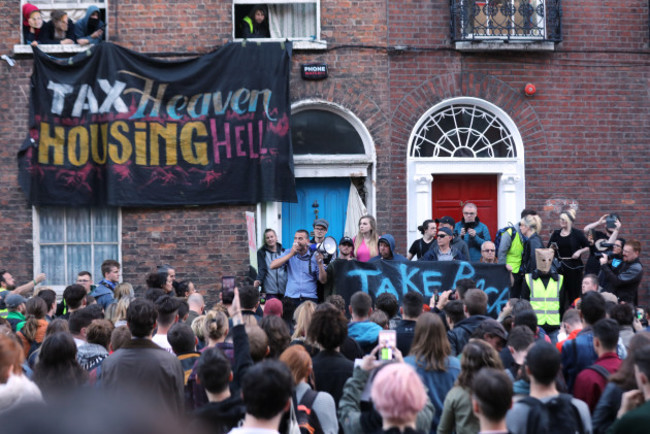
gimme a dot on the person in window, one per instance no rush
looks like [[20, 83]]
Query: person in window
[[256, 24], [32, 23], [59, 30], [89, 29]]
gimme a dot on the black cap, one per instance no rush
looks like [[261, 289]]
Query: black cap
[[346, 240], [446, 220]]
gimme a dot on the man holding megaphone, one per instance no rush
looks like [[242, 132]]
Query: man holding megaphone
[[321, 226], [304, 267]]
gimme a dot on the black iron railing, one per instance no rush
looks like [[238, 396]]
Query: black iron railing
[[510, 20]]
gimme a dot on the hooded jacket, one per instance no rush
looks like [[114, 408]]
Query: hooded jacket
[[29, 37], [273, 281], [474, 244], [388, 238], [90, 355], [366, 333], [460, 334], [434, 251], [103, 293], [85, 27]]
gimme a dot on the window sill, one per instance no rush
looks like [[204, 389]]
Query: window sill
[[298, 44], [495, 45], [50, 48]]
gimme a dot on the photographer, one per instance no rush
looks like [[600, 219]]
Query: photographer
[[472, 231], [600, 242], [625, 284]]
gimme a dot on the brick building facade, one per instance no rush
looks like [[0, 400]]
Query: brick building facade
[[582, 140]]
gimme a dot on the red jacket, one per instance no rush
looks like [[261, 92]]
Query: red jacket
[[572, 335], [590, 384]]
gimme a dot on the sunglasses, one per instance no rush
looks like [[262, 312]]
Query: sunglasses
[[442, 235]]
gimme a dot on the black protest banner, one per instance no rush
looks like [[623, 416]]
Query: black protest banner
[[114, 127], [426, 277]]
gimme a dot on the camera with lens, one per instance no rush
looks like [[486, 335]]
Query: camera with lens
[[469, 225], [601, 247]]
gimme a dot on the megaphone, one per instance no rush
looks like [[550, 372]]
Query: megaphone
[[328, 246]]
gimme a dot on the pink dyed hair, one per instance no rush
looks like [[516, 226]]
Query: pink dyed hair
[[397, 393]]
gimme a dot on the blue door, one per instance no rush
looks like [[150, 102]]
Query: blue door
[[317, 198]]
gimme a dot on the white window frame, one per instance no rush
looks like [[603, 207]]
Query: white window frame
[[298, 43], [421, 171], [36, 233], [69, 6]]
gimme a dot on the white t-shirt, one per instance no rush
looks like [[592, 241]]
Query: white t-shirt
[[162, 342]]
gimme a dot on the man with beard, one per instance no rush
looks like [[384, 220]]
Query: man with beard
[[8, 286]]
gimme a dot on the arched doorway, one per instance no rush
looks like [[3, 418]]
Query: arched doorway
[[465, 149], [334, 155]]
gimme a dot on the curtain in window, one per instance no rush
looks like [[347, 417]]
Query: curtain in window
[[296, 20], [76, 239], [356, 210]]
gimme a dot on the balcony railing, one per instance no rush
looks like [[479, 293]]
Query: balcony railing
[[507, 20]]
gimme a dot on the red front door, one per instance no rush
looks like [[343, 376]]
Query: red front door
[[450, 192]]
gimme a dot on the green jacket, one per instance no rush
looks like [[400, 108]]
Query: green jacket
[[17, 320]]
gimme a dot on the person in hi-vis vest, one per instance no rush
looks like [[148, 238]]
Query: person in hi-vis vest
[[544, 289]]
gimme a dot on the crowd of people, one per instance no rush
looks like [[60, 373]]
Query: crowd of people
[[288, 354], [90, 29]]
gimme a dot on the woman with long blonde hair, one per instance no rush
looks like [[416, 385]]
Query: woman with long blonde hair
[[365, 243]]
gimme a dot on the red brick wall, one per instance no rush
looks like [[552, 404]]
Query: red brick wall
[[585, 132]]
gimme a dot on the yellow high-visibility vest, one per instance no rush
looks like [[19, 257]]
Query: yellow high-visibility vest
[[545, 299]]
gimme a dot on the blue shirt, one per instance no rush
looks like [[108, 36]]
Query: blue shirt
[[300, 282]]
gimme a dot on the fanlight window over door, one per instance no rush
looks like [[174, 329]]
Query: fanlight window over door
[[463, 131]]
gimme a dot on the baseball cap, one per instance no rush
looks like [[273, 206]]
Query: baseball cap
[[346, 240], [14, 300], [273, 307], [447, 231], [446, 220], [494, 327]]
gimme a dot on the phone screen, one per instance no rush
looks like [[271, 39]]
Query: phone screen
[[228, 288], [387, 340]]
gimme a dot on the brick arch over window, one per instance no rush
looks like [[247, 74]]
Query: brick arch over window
[[432, 92], [352, 98], [470, 84]]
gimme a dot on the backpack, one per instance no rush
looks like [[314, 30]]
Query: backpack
[[303, 417], [497, 237], [557, 416], [601, 370]]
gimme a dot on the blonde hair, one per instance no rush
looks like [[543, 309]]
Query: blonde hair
[[197, 327], [570, 214], [117, 311], [123, 289], [302, 317], [534, 222], [215, 326], [374, 238]]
